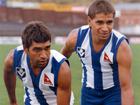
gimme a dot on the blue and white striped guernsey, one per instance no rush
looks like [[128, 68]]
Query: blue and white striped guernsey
[[40, 90], [100, 69]]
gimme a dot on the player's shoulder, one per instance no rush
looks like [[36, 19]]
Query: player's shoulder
[[73, 35], [8, 61], [84, 27], [118, 34], [75, 31], [72, 38], [18, 52], [121, 38], [57, 55], [19, 48]]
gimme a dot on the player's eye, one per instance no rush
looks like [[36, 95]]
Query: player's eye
[[47, 48], [37, 49], [100, 22], [109, 22]]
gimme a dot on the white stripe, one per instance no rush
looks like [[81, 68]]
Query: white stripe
[[84, 27], [88, 61], [27, 82], [49, 95], [72, 99], [107, 72], [20, 47], [58, 56], [32, 96]]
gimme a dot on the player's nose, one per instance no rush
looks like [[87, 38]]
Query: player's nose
[[105, 27], [43, 54]]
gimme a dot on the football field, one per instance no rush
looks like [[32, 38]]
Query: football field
[[76, 76]]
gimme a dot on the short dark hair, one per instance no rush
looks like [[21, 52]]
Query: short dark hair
[[100, 6], [35, 31]]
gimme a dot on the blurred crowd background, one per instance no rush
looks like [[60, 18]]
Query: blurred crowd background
[[63, 15]]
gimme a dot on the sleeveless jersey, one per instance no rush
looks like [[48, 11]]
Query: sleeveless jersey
[[100, 69], [42, 89]]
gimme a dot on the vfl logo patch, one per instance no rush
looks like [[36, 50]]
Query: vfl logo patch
[[48, 79], [106, 58], [81, 52], [21, 72]]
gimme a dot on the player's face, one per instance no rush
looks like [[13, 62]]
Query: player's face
[[39, 54], [101, 25]]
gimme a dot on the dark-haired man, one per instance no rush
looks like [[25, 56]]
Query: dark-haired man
[[105, 56], [45, 73]]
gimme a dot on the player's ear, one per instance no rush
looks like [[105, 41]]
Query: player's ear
[[26, 50], [89, 21]]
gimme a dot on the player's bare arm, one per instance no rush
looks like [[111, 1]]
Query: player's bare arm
[[124, 58], [69, 46], [64, 85], [10, 78]]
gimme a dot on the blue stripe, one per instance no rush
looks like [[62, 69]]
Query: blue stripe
[[85, 76], [35, 80], [114, 66], [98, 80], [118, 44], [81, 37], [55, 70], [114, 41], [27, 100], [96, 66], [98, 83], [17, 58], [115, 74]]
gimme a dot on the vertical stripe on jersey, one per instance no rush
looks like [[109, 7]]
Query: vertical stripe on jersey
[[88, 72], [27, 100], [107, 70], [99, 75], [52, 67], [114, 65], [96, 66], [29, 97], [55, 70], [17, 59], [38, 93], [116, 41], [80, 38]]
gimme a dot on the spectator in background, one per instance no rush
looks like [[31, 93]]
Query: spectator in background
[[45, 74], [105, 56]]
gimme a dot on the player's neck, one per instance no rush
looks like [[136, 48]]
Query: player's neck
[[97, 43], [36, 71]]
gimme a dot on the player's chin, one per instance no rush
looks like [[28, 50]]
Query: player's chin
[[104, 37], [42, 65]]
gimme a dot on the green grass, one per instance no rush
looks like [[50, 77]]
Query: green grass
[[76, 76], [136, 73]]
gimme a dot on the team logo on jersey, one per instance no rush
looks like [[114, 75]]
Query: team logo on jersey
[[48, 79], [106, 58], [21, 72], [81, 52]]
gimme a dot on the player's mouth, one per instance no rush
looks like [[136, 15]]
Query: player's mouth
[[43, 63], [105, 35]]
